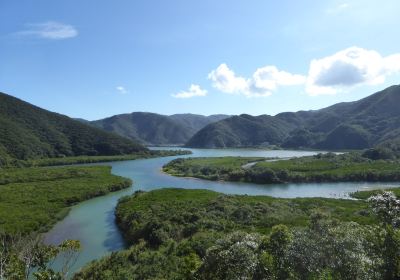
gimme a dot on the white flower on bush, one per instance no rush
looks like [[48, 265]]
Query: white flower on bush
[[387, 207], [232, 257]]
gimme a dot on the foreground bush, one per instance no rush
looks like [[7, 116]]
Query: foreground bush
[[206, 235], [27, 257]]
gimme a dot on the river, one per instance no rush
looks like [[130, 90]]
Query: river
[[92, 222]]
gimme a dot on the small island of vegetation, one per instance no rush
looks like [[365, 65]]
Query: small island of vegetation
[[349, 167]]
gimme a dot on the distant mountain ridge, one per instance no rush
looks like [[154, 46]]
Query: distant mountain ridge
[[156, 129], [29, 132], [350, 125]]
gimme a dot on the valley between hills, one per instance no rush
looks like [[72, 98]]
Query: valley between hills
[[236, 221]]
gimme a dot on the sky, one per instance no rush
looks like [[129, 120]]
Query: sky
[[95, 58]]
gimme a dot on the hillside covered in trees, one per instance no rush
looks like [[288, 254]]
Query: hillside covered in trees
[[156, 129], [351, 125], [29, 132]]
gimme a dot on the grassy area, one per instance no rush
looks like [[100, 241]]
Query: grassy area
[[33, 199], [215, 168], [320, 168], [368, 194], [171, 230], [184, 212], [199, 167], [94, 159]]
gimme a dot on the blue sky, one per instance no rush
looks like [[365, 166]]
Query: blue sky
[[97, 58]]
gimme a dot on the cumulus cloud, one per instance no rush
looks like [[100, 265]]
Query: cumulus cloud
[[341, 71], [50, 30], [348, 68], [263, 82], [122, 90], [225, 80], [194, 90]]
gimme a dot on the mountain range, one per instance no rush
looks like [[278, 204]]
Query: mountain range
[[156, 129], [348, 125], [28, 132]]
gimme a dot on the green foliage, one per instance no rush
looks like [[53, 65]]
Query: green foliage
[[161, 215], [379, 153], [387, 150], [242, 131], [233, 257], [353, 125], [33, 199], [368, 194], [277, 247], [208, 168], [346, 136], [320, 168], [28, 132], [28, 258], [234, 238], [303, 138], [94, 159], [155, 129]]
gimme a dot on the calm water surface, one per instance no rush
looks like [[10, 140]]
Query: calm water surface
[[92, 222]]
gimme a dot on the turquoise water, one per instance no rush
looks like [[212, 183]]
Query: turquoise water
[[92, 222]]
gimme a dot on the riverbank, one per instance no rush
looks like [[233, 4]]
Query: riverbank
[[93, 221], [34, 199], [171, 230], [367, 194], [320, 168], [98, 159]]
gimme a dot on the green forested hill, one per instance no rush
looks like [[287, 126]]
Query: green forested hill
[[156, 129], [243, 130], [28, 132], [352, 125]]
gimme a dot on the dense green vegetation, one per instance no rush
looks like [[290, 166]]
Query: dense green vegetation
[[94, 159], [387, 150], [242, 131], [28, 132], [367, 194], [33, 199], [179, 213], [319, 168], [26, 257], [207, 168], [353, 125], [200, 234], [156, 129]]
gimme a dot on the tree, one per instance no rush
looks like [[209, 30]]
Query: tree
[[24, 257], [387, 208], [278, 244], [233, 257]]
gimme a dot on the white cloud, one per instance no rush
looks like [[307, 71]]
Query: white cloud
[[194, 90], [50, 30], [122, 90], [225, 80], [263, 82], [348, 68], [339, 72]]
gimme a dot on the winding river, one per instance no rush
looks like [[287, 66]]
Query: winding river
[[92, 222]]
